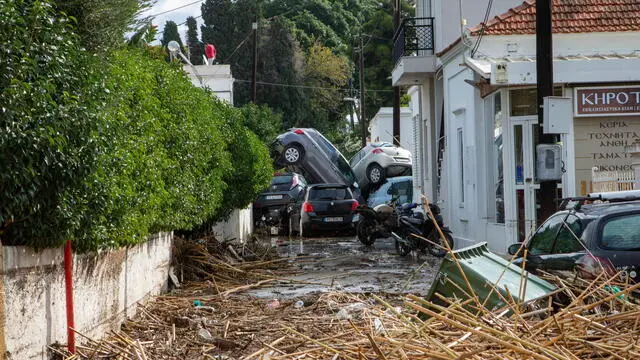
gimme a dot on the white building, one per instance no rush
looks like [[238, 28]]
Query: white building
[[218, 78], [381, 127], [475, 99]]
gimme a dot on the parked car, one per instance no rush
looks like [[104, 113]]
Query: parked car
[[311, 154], [325, 207], [377, 161], [270, 208], [588, 236], [404, 186]]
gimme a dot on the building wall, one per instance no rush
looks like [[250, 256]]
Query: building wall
[[107, 286], [460, 182], [381, 127]]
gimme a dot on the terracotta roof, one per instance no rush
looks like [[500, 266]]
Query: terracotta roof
[[569, 16]]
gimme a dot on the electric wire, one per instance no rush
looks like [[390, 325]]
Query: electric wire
[[307, 86], [484, 25], [178, 8]]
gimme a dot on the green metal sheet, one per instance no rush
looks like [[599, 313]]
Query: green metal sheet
[[484, 270]]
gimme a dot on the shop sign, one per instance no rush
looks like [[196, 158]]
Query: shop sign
[[607, 101]]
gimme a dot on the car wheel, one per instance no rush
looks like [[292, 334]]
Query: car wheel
[[375, 174], [292, 154]]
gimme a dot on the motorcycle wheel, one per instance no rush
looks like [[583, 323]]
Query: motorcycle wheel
[[436, 238], [364, 231], [402, 248]]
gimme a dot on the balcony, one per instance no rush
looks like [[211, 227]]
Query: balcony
[[413, 51]]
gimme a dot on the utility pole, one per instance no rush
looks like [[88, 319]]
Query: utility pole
[[544, 70], [254, 72], [363, 121], [396, 89]]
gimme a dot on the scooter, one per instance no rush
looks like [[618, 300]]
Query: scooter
[[417, 232], [377, 222]]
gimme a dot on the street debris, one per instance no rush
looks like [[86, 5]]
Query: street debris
[[581, 319]]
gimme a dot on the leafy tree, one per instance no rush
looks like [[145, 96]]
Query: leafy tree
[[220, 27], [170, 33], [196, 49], [102, 24], [325, 73], [143, 36], [260, 119], [51, 103]]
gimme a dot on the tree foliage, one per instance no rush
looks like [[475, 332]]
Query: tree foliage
[[106, 155], [170, 33], [50, 100], [102, 24], [196, 47]]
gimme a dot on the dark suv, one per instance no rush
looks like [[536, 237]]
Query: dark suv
[[310, 153], [600, 232], [270, 208]]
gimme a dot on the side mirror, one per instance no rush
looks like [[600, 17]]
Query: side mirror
[[513, 249]]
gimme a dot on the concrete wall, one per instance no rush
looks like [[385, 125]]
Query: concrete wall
[[107, 287], [381, 127], [218, 78], [238, 227]]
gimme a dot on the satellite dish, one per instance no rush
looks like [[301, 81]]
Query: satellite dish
[[173, 46]]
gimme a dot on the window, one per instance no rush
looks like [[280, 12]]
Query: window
[[621, 233], [345, 169], [330, 194], [568, 237], [324, 144], [525, 101], [357, 157], [461, 164], [496, 159], [542, 240]]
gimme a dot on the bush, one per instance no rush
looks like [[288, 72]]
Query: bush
[[262, 121], [50, 101]]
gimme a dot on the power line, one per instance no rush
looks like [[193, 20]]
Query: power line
[[484, 25], [184, 22], [178, 8], [306, 86]]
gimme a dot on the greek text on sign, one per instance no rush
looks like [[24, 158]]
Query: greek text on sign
[[607, 101]]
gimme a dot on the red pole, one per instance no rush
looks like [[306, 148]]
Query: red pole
[[68, 282]]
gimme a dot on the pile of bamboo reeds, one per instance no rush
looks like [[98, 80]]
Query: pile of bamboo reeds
[[583, 320]]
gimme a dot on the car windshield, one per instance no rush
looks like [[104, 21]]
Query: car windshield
[[621, 233], [325, 193]]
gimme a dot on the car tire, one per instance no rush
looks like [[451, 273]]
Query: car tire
[[375, 174], [292, 154]]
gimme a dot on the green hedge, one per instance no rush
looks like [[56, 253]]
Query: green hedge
[[106, 151]]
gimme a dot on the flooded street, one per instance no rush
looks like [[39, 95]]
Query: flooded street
[[325, 264]]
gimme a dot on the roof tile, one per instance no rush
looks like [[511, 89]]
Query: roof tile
[[569, 16]]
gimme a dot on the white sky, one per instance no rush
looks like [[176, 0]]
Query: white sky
[[179, 16]]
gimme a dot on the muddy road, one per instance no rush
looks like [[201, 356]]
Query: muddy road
[[324, 264]]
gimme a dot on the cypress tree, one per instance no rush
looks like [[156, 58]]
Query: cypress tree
[[196, 48]]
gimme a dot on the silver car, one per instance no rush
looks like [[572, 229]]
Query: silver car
[[377, 161]]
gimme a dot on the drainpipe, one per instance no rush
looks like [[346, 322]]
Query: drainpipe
[[68, 282]]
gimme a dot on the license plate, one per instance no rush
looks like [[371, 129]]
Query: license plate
[[333, 219], [274, 230], [274, 197]]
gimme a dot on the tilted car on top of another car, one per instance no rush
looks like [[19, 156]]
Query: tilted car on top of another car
[[310, 153], [379, 160]]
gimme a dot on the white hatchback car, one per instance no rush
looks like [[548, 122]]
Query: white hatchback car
[[377, 161]]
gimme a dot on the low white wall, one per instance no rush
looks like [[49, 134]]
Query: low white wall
[[107, 287], [238, 227]]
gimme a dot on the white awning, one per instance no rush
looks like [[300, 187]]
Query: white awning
[[566, 69]]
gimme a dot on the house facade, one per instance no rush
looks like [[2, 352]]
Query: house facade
[[474, 94]]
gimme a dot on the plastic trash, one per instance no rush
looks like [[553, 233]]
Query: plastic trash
[[299, 304], [197, 302], [273, 304], [343, 314], [205, 335], [378, 326]]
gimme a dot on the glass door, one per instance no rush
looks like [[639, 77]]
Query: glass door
[[526, 186]]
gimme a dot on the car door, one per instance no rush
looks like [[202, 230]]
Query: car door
[[556, 245]]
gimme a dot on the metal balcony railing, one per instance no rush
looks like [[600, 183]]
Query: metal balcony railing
[[413, 38]]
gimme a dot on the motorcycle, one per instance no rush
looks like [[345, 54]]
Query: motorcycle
[[377, 222], [418, 232]]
